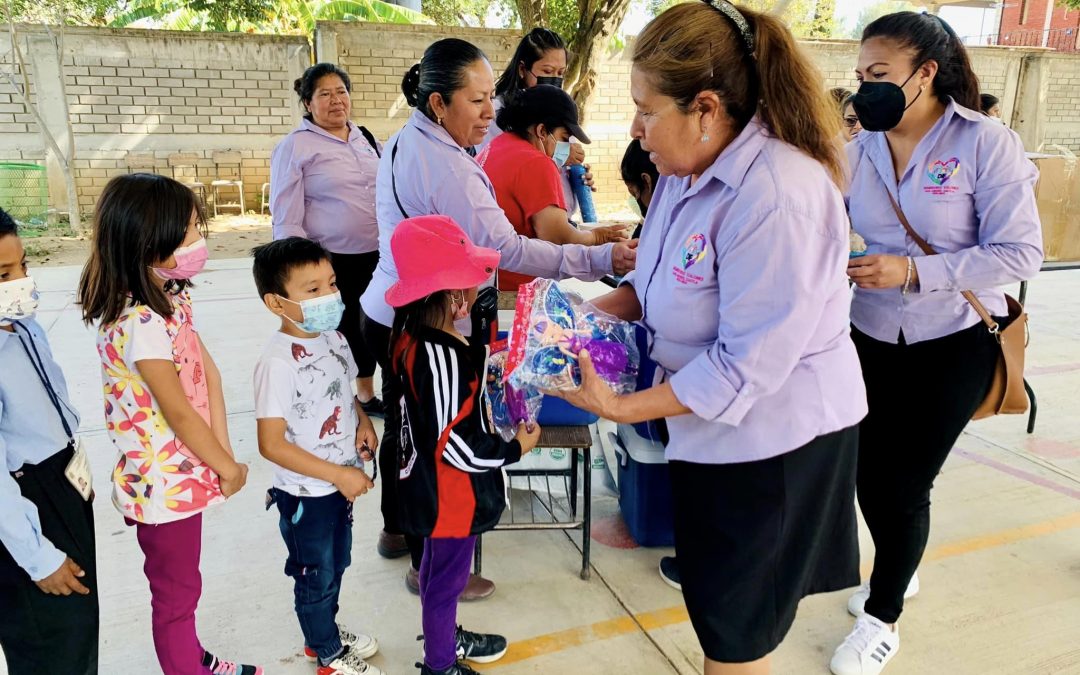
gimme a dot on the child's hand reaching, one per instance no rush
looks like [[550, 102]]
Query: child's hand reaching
[[366, 440], [352, 482], [234, 481], [528, 438]]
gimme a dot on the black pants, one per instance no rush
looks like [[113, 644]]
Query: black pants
[[377, 336], [354, 272], [921, 396], [42, 633]]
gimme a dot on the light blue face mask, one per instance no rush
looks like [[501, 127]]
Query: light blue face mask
[[562, 152], [321, 314]]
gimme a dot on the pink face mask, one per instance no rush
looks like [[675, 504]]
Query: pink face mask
[[190, 260]]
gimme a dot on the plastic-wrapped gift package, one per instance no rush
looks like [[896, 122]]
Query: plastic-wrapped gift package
[[552, 326], [507, 407]]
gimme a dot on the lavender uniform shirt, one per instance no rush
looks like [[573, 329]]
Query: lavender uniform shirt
[[969, 192], [323, 188], [741, 279], [434, 175]]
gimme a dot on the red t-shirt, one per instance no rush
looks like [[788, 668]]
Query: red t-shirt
[[526, 182]]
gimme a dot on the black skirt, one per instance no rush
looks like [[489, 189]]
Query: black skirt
[[753, 539]]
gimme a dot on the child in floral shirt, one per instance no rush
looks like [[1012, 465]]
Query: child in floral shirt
[[164, 406]]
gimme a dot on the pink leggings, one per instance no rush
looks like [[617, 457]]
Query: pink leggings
[[172, 553]]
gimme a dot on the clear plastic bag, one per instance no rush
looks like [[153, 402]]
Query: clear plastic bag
[[507, 406], [552, 326]]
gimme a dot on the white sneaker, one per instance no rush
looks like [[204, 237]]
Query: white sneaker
[[364, 645], [349, 663], [867, 649], [858, 599]]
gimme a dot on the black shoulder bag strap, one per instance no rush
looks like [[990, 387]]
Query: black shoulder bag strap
[[371, 140], [393, 179]]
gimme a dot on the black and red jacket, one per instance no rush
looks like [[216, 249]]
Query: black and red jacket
[[450, 482]]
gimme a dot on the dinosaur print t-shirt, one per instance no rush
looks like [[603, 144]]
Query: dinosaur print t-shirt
[[308, 383]]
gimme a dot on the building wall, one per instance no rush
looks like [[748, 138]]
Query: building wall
[[377, 57], [1059, 30], [199, 106], [137, 98]]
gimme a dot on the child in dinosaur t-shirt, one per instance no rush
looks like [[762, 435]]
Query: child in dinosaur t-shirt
[[312, 427]]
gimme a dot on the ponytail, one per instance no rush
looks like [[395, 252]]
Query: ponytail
[[932, 39], [410, 84], [753, 63], [441, 71], [794, 104]]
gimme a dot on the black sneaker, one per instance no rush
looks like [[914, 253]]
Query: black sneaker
[[456, 669], [219, 667], [479, 647], [374, 407], [669, 572]]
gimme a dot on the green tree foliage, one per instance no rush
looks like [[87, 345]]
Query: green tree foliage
[[876, 11], [81, 13], [262, 16]]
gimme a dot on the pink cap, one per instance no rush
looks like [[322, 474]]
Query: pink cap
[[433, 253]]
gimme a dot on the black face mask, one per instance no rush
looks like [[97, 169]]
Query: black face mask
[[553, 81], [881, 105]]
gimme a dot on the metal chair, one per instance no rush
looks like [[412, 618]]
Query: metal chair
[[185, 169], [230, 160], [552, 513], [140, 162], [265, 198]]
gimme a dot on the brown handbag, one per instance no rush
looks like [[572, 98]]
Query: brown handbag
[[1006, 395]]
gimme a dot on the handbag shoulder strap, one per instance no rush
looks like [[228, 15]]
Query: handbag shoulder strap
[[370, 138], [979, 308], [393, 178]]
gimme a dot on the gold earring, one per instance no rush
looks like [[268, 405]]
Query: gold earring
[[438, 120]]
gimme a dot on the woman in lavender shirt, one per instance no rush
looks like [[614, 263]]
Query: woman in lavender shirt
[[966, 187], [428, 169], [322, 187], [741, 287]]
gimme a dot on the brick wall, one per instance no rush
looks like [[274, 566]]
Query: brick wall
[[137, 98], [1062, 107], [1058, 31], [377, 56], [177, 103]]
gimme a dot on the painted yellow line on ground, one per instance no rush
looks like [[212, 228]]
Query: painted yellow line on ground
[[670, 616]]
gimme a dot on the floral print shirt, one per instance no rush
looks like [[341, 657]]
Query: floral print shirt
[[157, 479]]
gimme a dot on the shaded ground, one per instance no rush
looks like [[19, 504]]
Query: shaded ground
[[231, 236]]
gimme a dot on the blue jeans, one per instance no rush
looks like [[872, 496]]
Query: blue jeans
[[318, 533]]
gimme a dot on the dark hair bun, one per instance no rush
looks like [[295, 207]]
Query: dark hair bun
[[298, 86], [410, 85]]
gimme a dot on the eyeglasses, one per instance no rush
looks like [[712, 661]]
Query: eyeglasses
[[850, 122]]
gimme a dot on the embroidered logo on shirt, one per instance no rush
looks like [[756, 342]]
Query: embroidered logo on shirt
[[693, 251], [939, 173]]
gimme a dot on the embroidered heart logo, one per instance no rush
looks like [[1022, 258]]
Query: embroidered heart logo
[[693, 251], [940, 172]]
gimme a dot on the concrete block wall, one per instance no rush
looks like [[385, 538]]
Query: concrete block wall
[[377, 56], [135, 93], [1062, 109], [143, 93]]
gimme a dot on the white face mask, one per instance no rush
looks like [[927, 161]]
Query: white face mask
[[18, 300]]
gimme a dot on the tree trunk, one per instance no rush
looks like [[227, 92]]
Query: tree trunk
[[67, 162], [599, 21], [533, 13]]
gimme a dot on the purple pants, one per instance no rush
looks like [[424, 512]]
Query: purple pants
[[172, 553], [443, 575]]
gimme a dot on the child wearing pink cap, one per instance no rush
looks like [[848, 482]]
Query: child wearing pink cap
[[450, 483]]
